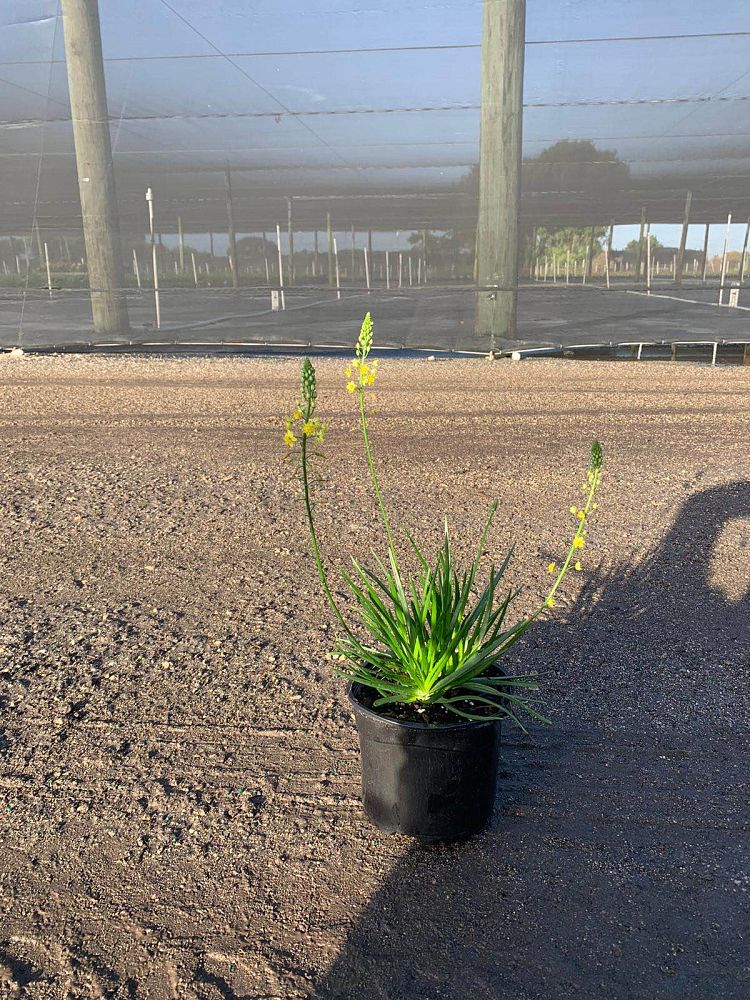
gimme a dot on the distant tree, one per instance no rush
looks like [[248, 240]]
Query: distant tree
[[570, 172], [632, 247]]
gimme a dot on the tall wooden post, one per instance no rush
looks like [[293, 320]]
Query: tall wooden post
[[680, 262], [503, 37], [96, 181], [233, 266], [331, 269], [705, 252], [290, 242]]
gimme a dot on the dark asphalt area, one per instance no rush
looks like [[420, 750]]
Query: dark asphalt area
[[430, 317]]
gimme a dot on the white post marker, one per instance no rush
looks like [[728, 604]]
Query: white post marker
[[648, 258], [606, 263], [157, 303], [387, 270], [411, 282], [638, 355], [195, 269], [713, 355], [419, 270], [136, 269], [49, 278], [567, 269], [338, 273], [724, 261], [400, 268], [281, 267], [367, 268]]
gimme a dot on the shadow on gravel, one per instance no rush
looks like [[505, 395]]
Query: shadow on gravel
[[614, 868]]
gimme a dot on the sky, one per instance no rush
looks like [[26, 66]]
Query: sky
[[180, 104]]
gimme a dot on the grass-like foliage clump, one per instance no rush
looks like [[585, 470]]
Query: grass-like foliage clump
[[432, 639]]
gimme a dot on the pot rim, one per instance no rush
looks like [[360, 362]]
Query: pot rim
[[421, 726]]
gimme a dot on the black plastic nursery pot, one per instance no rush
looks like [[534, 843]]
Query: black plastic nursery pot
[[432, 782]]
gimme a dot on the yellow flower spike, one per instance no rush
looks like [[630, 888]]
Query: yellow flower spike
[[371, 378], [578, 566], [581, 515], [289, 438], [578, 543], [351, 387], [297, 415], [550, 602], [573, 510], [348, 371], [308, 427], [551, 568]]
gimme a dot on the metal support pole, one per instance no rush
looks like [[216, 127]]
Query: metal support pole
[[331, 271], [680, 262], [181, 244], [49, 276], [724, 261], [744, 252], [154, 261], [639, 257], [96, 182], [705, 252], [503, 38], [338, 274], [281, 267], [232, 247], [290, 274]]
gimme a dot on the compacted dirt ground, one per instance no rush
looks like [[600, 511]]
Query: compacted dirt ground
[[179, 811]]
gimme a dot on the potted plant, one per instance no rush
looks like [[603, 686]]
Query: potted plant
[[425, 681]]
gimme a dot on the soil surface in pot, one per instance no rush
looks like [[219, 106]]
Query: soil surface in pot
[[429, 715]]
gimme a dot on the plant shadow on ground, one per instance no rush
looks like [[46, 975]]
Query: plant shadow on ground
[[613, 867]]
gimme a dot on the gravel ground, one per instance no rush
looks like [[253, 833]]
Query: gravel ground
[[179, 812]]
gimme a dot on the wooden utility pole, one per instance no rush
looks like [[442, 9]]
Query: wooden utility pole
[[331, 270], [680, 262], [290, 243], [96, 179], [503, 37], [230, 229]]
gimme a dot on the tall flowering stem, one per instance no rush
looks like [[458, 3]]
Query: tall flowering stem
[[593, 478], [366, 373], [304, 421]]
